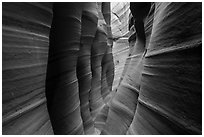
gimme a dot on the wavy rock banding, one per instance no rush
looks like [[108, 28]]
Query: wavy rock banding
[[84, 74], [25, 44], [102, 68]]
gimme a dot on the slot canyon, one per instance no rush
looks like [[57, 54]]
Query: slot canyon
[[102, 68]]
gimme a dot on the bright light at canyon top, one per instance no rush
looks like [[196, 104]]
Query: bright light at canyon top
[[119, 18]]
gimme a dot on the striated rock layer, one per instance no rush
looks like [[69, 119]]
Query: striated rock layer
[[160, 92], [123, 105], [119, 19], [62, 83], [25, 44], [89, 26], [77, 78], [79, 49], [60, 59], [170, 92]]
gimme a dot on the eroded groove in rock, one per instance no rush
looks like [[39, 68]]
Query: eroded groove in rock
[[62, 83], [107, 74], [100, 53], [119, 21], [131, 40], [107, 61], [123, 105], [84, 74], [172, 60], [148, 28], [102, 68], [25, 31], [107, 67], [98, 50]]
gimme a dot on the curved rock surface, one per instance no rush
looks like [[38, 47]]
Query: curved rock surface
[[102, 68], [119, 19], [25, 39], [169, 101], [173, 60]]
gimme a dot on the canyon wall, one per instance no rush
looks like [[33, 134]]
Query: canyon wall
[[170, 99], [119, 19], [161, 87], [102, 68], [119, 23], [25, 41], [57, 67]]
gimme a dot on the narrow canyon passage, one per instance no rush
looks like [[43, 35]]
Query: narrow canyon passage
[[102, 68]]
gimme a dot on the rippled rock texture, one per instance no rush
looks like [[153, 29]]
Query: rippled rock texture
[[61, 52], [119, 19], [25, 44], [160, 91], [102, 68]]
